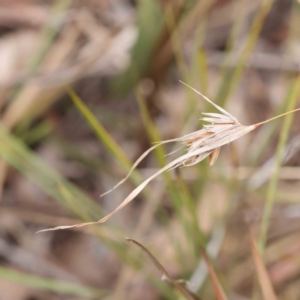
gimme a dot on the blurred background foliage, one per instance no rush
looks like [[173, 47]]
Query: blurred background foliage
[[86, 87]]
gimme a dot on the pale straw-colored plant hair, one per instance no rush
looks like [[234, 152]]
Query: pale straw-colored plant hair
[[222, 128]]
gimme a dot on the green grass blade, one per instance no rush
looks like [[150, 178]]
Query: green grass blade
[[115, 150], [197, 236], [203, 70], [231, 77], [154, 136], [92, 163], [151, 129], [234, 34], [104, 137], [176, 41], [150, 23], [264, 137], [54, 185], [100, 131], [271, 193], [20, 157], [51, 285], [48, 34], [37, 133]]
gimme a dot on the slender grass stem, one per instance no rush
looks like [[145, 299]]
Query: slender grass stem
[[231, 78], [270, 198], [279, 116]]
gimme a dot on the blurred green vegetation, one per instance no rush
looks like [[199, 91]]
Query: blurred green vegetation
[[179, 214]]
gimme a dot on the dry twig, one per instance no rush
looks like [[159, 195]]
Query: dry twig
[[181, 288]]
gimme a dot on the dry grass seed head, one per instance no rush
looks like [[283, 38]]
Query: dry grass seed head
[[222, 129]]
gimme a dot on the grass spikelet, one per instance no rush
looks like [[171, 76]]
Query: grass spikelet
[[222, 128]]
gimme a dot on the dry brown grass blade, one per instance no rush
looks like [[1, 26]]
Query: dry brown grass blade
[[137, 163], [220, 294], [181, 288], [129, 198], [263, 277], [184, 160]]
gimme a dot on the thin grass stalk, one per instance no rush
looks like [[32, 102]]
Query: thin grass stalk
[[178, 53], [199, 62], [213, 247], [204, 83], [179, 287], [220, 294], [231, 77], [3, 172], [167, 291], [197, 236], [203, 70], [69, 198], [153, 135], [173, 191], [233, 35], [199, 72], [264, 137], [100, 131], [270, 197], [268, 131], [151, 129], [37, 133], [179, 32], [51, 285], [136, 264], [93, 164], [48, 34], [102, 134], [175, 41]]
